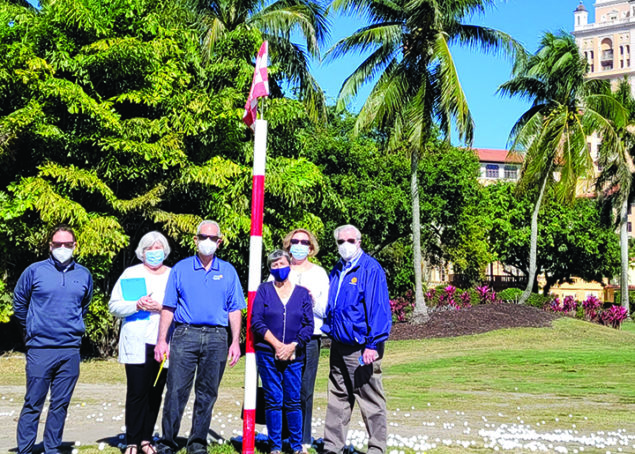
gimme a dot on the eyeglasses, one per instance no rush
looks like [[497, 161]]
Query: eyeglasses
[[202, 237], [304, 242], [66, 244], [350, 240]]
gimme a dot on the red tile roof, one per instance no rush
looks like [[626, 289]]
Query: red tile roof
[[491, 155]]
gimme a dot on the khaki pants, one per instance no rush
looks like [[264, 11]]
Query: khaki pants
[[350, 382]]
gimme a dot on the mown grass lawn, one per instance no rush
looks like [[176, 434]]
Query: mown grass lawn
[[573, 371]]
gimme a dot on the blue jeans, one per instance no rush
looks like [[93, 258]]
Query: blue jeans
[[57, 369], [311, 360], [281, 381], [193, 350]]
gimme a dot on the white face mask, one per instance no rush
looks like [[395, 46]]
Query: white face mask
[[62, 254], [207, 247], [347, 250]]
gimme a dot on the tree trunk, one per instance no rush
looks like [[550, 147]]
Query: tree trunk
[[624, 255], [533, 248], [420, 313]]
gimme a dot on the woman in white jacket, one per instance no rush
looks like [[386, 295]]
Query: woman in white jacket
[[137, 299]]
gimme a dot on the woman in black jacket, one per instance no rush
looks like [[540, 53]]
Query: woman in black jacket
[[282, 323]]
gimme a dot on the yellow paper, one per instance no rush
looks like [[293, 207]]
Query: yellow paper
[[160, 369]]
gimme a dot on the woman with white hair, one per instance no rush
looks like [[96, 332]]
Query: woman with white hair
[[137, 299]]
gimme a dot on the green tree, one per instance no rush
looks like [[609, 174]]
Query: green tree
[[416, 81], [615, 180], [110, 121], [571, 242], [275, 22], [552, 134]]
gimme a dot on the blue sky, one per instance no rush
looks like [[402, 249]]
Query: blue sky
[[480, 74]]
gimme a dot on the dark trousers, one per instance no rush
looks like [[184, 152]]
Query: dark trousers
[[350, 382], [143, 400], [281, 381], [309, 372], [200, 351], [56, 369]]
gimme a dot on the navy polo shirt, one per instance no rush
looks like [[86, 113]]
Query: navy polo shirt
[[203, 297]]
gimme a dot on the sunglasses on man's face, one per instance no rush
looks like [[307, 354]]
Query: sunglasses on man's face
[[350, 240], [66, 244], [202, 237], [303, 242]]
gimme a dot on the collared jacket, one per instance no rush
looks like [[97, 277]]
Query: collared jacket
[[291, 322], [50, 301], [359, 313]]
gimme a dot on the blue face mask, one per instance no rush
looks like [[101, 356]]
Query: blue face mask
[[154, 257], [280, 274], [299, 251]]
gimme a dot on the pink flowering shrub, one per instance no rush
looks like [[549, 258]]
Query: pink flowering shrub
[[614, 316], [568, 305], [591, 307], [401, 307]]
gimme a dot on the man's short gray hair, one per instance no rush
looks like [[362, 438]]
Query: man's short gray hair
[[148, 240], [277, 255], [206, 222], [341, 228]]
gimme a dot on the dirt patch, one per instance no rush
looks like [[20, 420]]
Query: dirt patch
[[474, 320]]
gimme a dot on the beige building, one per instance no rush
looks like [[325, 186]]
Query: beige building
[[607, 43]]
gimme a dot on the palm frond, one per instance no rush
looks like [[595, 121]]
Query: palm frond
[[453, 103]]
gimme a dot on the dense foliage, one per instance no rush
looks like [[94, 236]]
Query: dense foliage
[[124, 116]]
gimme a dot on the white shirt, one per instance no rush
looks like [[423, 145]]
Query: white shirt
[[135, 334]]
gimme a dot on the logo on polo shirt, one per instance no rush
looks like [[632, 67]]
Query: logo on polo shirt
[[218, 277], [353, 281]]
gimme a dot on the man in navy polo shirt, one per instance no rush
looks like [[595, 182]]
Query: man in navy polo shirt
[[50, 301], [204, 298]]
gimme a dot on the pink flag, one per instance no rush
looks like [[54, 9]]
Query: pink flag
[[259, 87]]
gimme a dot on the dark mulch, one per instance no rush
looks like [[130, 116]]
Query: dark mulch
[[474, 320]]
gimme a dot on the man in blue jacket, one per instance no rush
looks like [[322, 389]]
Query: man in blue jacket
[[50, 301], [358, 321]]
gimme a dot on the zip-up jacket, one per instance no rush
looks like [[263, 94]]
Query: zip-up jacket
[[50, 301], [291, 322], [358, 309]]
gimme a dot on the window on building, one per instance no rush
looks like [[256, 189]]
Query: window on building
[[621, 63], [629, 209], [629, 227], [591, 54], [491, 171], [511, 172], [621, 50]]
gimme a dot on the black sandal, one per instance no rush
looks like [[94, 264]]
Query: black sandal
[[131, 449]]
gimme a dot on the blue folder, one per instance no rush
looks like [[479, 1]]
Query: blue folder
[[132, 289]]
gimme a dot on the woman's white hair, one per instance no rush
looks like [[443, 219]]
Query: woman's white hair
[[148, 240]]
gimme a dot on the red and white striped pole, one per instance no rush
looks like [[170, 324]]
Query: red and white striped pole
[[255, 265]]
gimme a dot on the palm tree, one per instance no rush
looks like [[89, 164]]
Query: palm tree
[[276, 22], [416, 84], [615, 180], [552, 134]]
